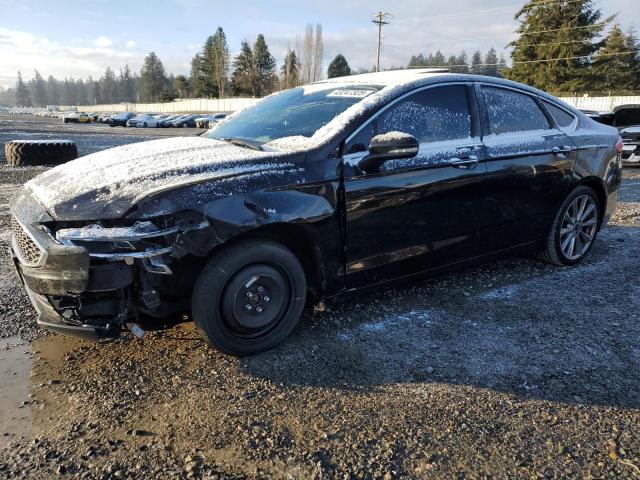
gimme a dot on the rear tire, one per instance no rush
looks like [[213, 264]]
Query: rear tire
[[249, 297], [574, 229]]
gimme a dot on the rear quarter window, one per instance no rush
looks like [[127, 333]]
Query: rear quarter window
[[510, 111], [563, 118]]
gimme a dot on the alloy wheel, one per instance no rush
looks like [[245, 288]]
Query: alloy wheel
[[578, 228]]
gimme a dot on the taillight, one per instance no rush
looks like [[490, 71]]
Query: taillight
[[619, 145]]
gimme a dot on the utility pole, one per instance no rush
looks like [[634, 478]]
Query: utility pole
[[380, 18]]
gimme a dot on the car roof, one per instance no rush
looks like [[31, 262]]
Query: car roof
[[416, 77]]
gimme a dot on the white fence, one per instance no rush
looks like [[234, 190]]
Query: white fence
[[196, 105], [600, 104], [204, 105]]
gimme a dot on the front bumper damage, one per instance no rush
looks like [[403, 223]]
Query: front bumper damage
[[78, 289]]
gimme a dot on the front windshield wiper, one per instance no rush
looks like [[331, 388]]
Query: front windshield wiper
[[241, 142]]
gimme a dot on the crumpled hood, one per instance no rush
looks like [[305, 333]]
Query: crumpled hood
[[105, 184]]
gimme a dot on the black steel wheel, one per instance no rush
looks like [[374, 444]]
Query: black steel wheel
[[574, 229], [249, 297]]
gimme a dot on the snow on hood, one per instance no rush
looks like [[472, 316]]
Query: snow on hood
[[111, 180]]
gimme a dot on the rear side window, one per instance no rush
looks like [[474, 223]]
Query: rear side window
[[563, 118], [511, 111], [431, 115]]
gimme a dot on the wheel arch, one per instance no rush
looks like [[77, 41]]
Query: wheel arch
[[596, 184], [297, 239]]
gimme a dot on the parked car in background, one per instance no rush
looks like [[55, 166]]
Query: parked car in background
[[207, 121], [627, 121], [104, 117], [120, 119], [166, 122], [76, 117], [93, 116], [143, 120], [606, 118], [315, 192], [186, 121]]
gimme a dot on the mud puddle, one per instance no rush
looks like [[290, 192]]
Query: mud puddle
[[26, 406]]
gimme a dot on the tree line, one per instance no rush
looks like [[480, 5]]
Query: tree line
[[214, 74], [479, 64]]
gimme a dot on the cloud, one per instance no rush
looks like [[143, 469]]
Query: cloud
[[25, 52], [130, 44], [103, 42]]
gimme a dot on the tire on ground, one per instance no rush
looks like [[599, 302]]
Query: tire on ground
[[21, 153], [552, 252], [218, 274]]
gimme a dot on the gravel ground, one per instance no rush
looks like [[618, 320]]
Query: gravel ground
[[514, 369]]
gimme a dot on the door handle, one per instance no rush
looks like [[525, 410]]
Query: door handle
[[562, 149], [465, 161]]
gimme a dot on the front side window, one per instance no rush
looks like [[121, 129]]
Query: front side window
[[510, 111], [432, 115]]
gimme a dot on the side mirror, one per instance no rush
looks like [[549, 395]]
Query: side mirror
[[388, 146]]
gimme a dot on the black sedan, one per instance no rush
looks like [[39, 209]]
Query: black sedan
[[120, 119], [316, 192], [186, 121]]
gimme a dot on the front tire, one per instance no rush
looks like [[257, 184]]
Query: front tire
[[574, 229], [249, 297]]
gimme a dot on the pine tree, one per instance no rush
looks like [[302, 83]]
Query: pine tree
[[82, 96], [417, 61], [197, 79], [38, 90], [153, 78], [53, 91], [556, 40], [264, 67], [181, 86], [339, 67], [242, 78], [611, 71], [632, 45], [502, 66], [290, 70], [220, 70], [208, 83], [476, 63], [463, 62], [438, 59], [491, 67], [109, 86], [127, 85], [22, 95]]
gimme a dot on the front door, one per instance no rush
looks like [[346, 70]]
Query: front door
[[420, 213]]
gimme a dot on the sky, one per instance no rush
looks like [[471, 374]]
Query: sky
[[78, 38]]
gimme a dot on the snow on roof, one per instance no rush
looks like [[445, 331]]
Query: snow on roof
[[392, 77]]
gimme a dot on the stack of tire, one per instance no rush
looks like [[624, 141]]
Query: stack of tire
[[23, 153]]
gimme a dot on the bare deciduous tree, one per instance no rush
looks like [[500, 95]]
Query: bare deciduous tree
[[311, 51]]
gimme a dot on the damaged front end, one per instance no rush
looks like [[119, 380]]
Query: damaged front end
[[90, 280]]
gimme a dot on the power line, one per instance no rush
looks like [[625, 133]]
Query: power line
[[544, 60], [379, 20], [488, 10], [502, 34]]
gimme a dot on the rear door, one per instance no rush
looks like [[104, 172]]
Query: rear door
[[420, 213], [529, 166]]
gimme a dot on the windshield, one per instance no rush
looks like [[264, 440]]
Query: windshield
[[625, 117], [297, 112]]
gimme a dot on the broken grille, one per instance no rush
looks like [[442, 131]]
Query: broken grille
[[29, 251]]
